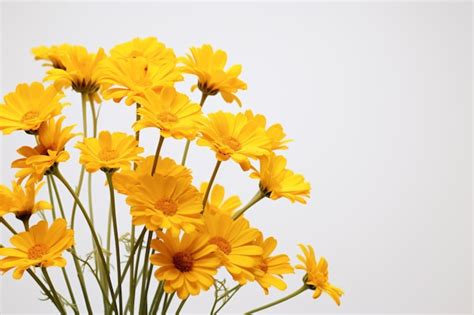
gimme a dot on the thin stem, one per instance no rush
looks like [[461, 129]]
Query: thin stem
[[258, 196], [69, 289], [84, 113], [166, 305], [26, 224], [157, 154], [44, 288], [188, 142], [80, 276], [286, 298], [143, 294], [116, 236], [78, 193], [157, 298], [94, 115], [50, 192], [211, 181], [58, 196], [7, 225], [181, 305], [227, 301], [53, 290], [58, 174]]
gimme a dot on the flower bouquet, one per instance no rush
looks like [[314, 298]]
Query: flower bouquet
[[179, 234]]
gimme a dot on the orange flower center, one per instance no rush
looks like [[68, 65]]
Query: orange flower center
[[222, 243], [167, 117], [108, 155], [263, 266], [318, 277], [37, 251], [31, 115], [183, 261], [168, 207], [232, 143]]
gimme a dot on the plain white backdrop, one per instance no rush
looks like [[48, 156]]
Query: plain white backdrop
[[377, 97]]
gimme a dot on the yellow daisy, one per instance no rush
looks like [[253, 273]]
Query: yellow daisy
[[52, 139], [21, 201], [234, 136], [274, 132], [29, 106], [187, 265], [165, 202], [276, 181], [148, 48], [272, 267], [53, 54], [235, 241], [109, 152], [129, 78], [171, 112], [80, 70], [39, 247], [317, 277], [208, 65], [126, 180], [216, 202]]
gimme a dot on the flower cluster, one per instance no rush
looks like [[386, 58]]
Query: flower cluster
[[187, 228]]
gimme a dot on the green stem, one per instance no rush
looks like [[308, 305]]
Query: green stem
[[188, 142], [78, 193], [181, 305], [258, 196], [157, 298], [44, 288], [58, 174], [286, 298], [50, 192], [211, 181], [143, 294], [58, 196], [53, 290], [167, 304], [116, 236], [228, 299], [7, 225], [157, 155], [84, 113], [94, 115], [71, 292]]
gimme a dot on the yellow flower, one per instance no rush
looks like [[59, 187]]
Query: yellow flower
[[187, 265], [111, 151], [233, 136], [129, 78], [39, 247], [165, 202], [276, 181], [80, 70], [317, 274], [52, 139], [148, 48], [216, 202], [208, 65], [235, 242], [21, 201], [126, 180], [53, 54], [274, 132], [171, 112], [29, 106], [271, 268]]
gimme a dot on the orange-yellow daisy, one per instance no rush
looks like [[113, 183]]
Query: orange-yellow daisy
[[165, 202], [21, 201], [109, 152], [187, 265], [29, 106], [274, 132], [234, 136], [208, 65], [271, 268], [40, 246], [126, 180], [170, 111], [53, 54], [36, 161], [216, 202], [235, 242], [317, 277], [276, 181]]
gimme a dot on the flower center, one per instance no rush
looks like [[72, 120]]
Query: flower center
[[108, 155], [168, 207], [37, 251], [222, 243], [319, 277], [31, 115], [263, 266], [167, 117], [183, 261], [233, 143]]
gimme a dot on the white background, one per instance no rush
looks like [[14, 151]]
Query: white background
[[377, 98]]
